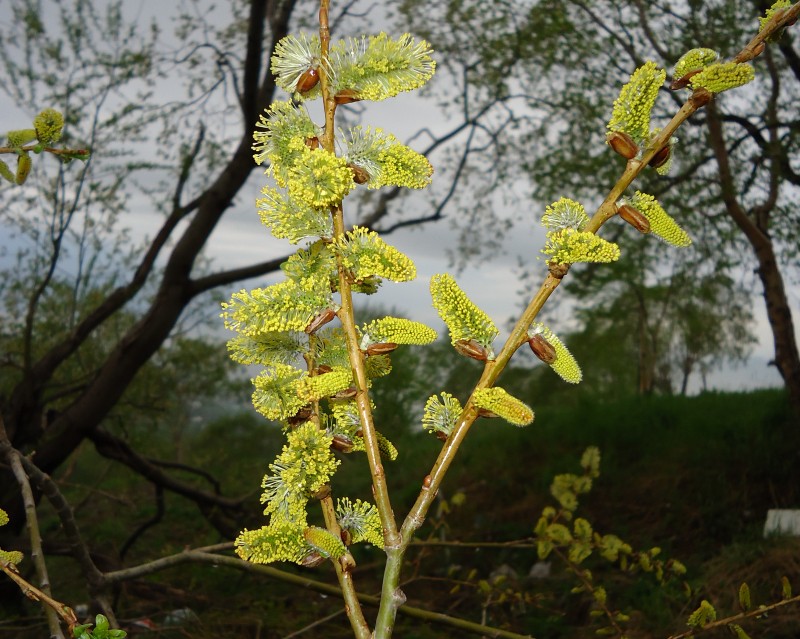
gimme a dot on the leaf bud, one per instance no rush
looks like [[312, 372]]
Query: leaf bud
[[543, 349], [346, 96], [471, 348], [426, 483], [381, 348], [634, 217], [307, 80], [320, 320], [623, 144]]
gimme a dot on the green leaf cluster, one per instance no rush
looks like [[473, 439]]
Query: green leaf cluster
[[101, 630]]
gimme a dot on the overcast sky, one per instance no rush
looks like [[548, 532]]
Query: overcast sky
[[492, 284]]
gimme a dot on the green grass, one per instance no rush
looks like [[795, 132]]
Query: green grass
[[693, 475]]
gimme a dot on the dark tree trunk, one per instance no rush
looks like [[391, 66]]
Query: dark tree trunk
[[755, 226]]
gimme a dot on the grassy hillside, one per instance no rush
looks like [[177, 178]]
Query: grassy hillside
[[692, 475]]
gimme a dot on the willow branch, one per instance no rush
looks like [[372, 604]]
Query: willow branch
[[518, 335], [756, 612], [52, 611], [202, 555]]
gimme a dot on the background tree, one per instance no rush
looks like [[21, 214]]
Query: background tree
[[732, 174]]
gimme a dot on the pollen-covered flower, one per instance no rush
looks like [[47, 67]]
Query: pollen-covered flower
[[324, 542], [499, 402], [631, 113], [290, 220], [661, 224], [402, 166], [365, 254], [293, 57], [48, 125], [277, 347], [379, 67], [464, 319], [440, 416], [385, 161], [565, 214], [319, 386], [10, 556], [281, 540], [312, 269], [776, 6], [721, 77], [275, 395], [564, 364], [283, 140], [694, 60], [319, 178], [397, 331], [280, 307], [569, 246], [306, 462], [21, 137], [361, 520]]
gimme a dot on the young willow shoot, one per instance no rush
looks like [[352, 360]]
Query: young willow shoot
[[316, 378]]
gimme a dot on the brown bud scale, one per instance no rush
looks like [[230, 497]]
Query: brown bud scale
[[312, 560], [471, 348], [679, 83], [346, 96], [634, 217], [543, 349], [347, 393], [360, 176], [303, 415], [323, 492], [661, 157], [380, 349], [623, 144], [701, 97], [558, 270], [342, 443], [320, 320], [308, 80], [312, 143]]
